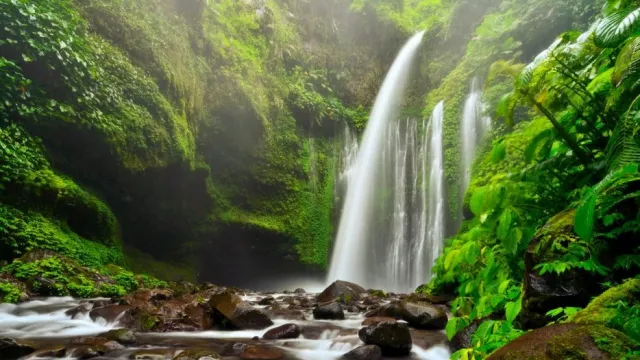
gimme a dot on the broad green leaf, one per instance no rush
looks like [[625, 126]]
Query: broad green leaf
[[512, 309], [504, 224], [477, 200], [585, 216]]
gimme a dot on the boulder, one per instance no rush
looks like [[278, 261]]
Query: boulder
[[391, 310], [423, 316], [287, 331], [267, 301], [230, 312], [432, 299], [247, 317], [462, 339], [197, 354], [542, 293], [262, 352], [393, 338], [366, 352], [331, 311], [341, 289], [51, 351], [567, 341], [299, 291], [603, 309], [88, 352], [122, 336], [13, 349], [376, 320]]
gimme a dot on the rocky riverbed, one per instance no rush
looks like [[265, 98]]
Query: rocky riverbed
[[210, 322]]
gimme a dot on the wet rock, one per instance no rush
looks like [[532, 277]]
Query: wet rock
[[123, 336], [353, 309], [392, 310], [393, 338], [600, 309], [376, 320], [566, 341], [143, 297], [288, 331], [267, 301], [427, 339], [234, 349], [423, 316], [462, 339], [230, 312], [299, 291], [262, 352], [366, 352], [110, 312], [78, 310], [181, 288], [247, 317], [50, 351], [13, 349], [153, 354], [197, 354], [432, 299], [331, 311], [341, 289], [88, 352], [542, 293], [371, 301], [286, 314], [377, 293]]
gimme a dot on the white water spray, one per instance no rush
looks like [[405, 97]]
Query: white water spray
[[473, 128], [434, 241], [350, 253]]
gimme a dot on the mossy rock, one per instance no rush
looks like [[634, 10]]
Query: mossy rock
[[606, 309], [543, 293], [567, 342]]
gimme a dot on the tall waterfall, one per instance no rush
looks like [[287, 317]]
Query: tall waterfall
[[360, 254], [434, 241], [473, 128]]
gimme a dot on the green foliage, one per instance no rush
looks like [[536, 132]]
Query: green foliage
[[562, 314], [9, 293]]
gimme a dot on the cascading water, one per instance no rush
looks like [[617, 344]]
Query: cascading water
[[357, 255], [473, 128], [435, 199], [346, 163]]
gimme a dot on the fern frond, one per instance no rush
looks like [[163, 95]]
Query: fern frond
[[613, 29], [627, 65], [623, 148]]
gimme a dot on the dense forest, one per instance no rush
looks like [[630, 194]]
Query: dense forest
[[150, 145]]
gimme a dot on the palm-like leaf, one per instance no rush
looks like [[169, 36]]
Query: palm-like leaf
[[613, 29], [627, 69]]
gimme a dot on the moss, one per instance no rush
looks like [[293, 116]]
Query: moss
[[617, 308], [148, 322], [569, 342]]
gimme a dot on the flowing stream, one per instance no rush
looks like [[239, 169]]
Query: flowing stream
[[52, 323], [357, 255]]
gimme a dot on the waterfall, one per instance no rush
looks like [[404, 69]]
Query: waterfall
[[473, 128], [434, 241], [346, 163], [357, 250]]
